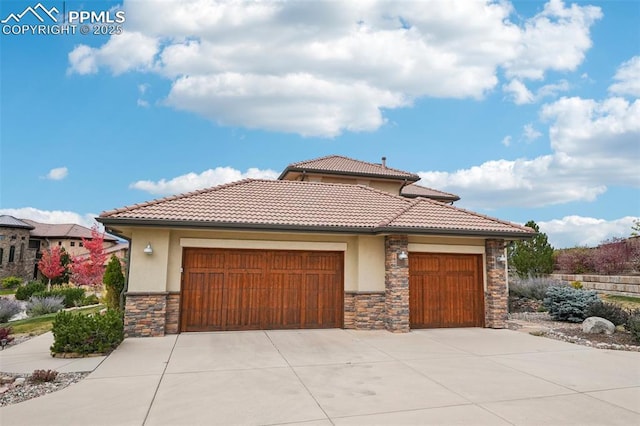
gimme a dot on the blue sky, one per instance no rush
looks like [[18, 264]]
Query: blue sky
[[527, 110]]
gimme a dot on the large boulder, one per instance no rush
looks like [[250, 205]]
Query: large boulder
[[596, 325]]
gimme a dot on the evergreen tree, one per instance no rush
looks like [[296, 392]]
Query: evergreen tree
[[114, 283], [532, 257]]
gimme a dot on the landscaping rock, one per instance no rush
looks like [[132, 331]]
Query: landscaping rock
[[19, 381], [596, 325], [5, 380]]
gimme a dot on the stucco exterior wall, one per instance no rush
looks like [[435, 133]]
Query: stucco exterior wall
[[148, 273]]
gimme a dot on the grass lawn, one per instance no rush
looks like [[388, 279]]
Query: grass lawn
[[6, 291], [628, 302], [42, 324]]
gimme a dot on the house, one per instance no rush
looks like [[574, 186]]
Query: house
[[23, 240], [334, 242], [17, 254]]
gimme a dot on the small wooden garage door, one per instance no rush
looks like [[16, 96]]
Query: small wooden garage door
[[445, 290], [224, 289]]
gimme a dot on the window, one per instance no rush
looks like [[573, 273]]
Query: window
[[73, 243], [59, 243], [13, 237], [1, 237], [81, 244], [34, 244], [1, 255], [12, 253], [21, 255]]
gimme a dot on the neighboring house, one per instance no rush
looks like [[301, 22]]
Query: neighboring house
[[333, 242], [17, 255], [37, 237]]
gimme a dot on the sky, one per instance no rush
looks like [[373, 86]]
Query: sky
[[527, 110]]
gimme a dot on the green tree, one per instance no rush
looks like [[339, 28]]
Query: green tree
[[532, 257], [114, 283], [635, 228]]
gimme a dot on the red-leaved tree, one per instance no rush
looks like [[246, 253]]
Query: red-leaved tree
[[89, 269], [51, 264]]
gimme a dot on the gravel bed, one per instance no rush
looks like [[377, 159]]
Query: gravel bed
[[30, 390], [572, 332]]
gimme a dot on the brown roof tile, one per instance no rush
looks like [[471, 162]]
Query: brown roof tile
[[415, 190], [309, 206], [336, 164], [62, 230]]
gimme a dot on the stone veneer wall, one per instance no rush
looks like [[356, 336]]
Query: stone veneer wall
[[24, 258], [364, 311], [497, 294], [396, 284], [145, 314], [173, 313]]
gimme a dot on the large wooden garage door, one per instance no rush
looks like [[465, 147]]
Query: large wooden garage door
[[225, 289], [445, 290]]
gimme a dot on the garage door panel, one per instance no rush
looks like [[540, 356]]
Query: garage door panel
[[445, 290], [255, 289]]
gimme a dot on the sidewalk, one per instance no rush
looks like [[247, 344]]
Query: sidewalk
[[34, 354]]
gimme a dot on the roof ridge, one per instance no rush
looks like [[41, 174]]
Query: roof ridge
[[402, 211], [484, 216], [351, 159], [174, 197]]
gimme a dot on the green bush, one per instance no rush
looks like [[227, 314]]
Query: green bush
[[113, 283], [10, 282], [86, 334], [633, 324], [566, 303], [90, 299], [26, 291], [37, 306], [72, 296], [612, 312]]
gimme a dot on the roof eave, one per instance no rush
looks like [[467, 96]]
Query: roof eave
[[309, 228], [410, 178]]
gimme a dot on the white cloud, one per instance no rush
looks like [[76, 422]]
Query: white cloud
[[529, 133], [594, 144], [194, 181], [518, 92], [322, 68], [506, 141], [142, 103], [627, 78], [573, 231], [52, 216], [58, 173]]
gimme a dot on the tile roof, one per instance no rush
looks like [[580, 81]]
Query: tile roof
[[65, 230], [415, 190], [336, 164], [11, 222], [310, 206]]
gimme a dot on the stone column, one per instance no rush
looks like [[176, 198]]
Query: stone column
[[396, 283], [497, 294], [145, 314]]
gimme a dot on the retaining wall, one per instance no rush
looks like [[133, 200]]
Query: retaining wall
[[612, 284]]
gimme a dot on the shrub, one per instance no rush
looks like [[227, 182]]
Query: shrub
[[569, 304], [5, 335], [575, 260], [90, 299], [611, 257], [633, 324], [26, 291], [610, 311], [86, 334], [38, 305], [8, 308], [113, 282], [71, 296], [577, 285], [10, 282], [42, 376], [530, 288]]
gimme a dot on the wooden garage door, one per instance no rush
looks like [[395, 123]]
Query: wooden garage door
[[225, 289], [445, 290]]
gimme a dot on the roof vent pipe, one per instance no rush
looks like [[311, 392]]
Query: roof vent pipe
[[384, 162]]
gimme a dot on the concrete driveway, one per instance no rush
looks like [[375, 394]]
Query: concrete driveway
[[324, 377]]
